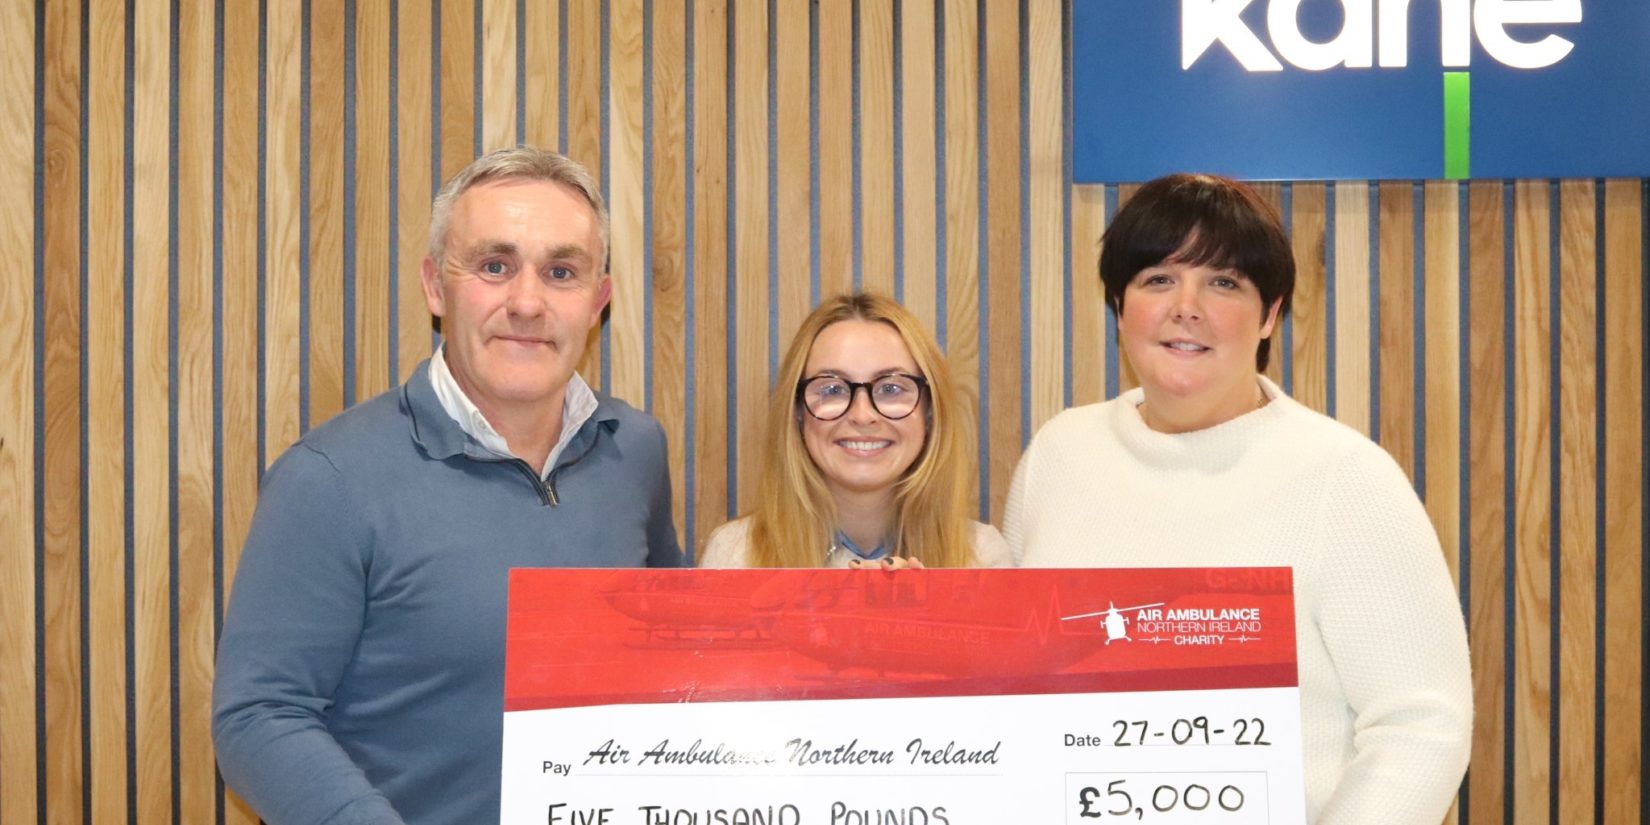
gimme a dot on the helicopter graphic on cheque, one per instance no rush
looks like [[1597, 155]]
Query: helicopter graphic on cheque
[[1115, 623]]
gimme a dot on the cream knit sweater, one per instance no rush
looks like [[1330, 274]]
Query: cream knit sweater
[[1386, 692]]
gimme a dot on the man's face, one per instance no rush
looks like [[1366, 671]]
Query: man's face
[[520, 289]]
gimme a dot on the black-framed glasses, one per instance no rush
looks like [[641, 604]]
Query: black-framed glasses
[[894, 396]]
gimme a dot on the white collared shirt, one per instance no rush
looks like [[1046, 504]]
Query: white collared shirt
[[578, 404]]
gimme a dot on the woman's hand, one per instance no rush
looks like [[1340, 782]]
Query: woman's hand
[[887, 563]]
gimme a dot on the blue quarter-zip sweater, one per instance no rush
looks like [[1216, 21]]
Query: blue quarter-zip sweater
[[360, 674]]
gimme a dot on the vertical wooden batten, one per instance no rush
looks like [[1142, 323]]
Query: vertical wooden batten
[[585, 137], [1622, 498], [961, 286], [282, 253], [414, 142], [456, 84], [793, 146], [1487, 463], [669, 238], [626, 181], [1576, 317], [875, 124], [1088, 299], [834, 145], [1396, 331], [1352, 306], [1126, 379], [1003, 290], [149, 388], [324, 269], [1309, 314], [106, 418], [1272, 194], [544, 74], [498, 69], [915, 56], [19, 677], [1440, 427], [63, 476], [196, 770], [240, 463], [750, 254], [1045, 121], [1531, 387], [710, 390], [1441, 326], [375, 283]]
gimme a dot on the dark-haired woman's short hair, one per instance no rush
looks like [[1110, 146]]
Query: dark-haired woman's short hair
[[1200, 220]]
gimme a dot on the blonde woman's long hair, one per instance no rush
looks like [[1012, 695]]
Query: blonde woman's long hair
[[794, 520]]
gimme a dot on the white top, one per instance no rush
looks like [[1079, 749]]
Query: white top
[[1386, 691], [729, 546], [578, 404]]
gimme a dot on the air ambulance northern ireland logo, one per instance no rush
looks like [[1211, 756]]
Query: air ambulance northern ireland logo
[[1180, 626]]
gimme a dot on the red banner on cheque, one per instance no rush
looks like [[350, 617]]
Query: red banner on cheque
[[601, 637]]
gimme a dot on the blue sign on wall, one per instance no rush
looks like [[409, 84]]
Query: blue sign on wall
[[1361, 89]]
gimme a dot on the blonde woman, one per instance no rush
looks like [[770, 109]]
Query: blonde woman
[[863, 462]]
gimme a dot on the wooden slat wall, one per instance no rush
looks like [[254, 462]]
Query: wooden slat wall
[[223, 208]]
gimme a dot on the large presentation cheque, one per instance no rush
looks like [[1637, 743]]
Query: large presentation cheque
[[913, 697]]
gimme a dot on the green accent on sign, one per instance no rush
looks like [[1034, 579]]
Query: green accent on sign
[[1457, 125]]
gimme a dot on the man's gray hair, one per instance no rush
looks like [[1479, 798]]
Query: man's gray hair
[[525, 163]]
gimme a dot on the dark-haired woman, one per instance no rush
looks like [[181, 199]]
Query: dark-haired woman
[[1207, 463]]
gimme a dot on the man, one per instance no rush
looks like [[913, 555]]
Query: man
[[360, 673]]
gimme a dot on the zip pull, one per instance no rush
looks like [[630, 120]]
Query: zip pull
[[550, 488]]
